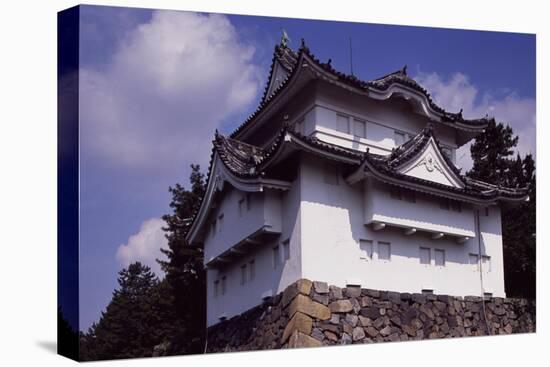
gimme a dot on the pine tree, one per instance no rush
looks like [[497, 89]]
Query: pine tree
[[184, 270], [131, 325], [492, 153]]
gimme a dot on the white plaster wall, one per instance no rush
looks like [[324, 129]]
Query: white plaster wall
[[424, 214], [235, 227], [332, 225], [268, 280], [382, 119]]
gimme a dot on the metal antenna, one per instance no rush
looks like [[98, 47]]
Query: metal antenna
[[350, 56]]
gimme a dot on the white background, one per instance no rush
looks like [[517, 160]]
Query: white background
[[28, 180]]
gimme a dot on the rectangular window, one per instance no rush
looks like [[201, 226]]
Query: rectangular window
[[474, 261], [286, 250], [252, 270], [342, 124], [359, 128], [486, 263], [427, 291], [241, 206], [223, 285], [276, 257], [400, 138], [216, 287], [486, 211], [243, 274], [384, 251], [425, 255], [439, 257], [366, 249], [330, 174], [488, 294]]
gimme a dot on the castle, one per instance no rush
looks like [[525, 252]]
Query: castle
[[348, 182]]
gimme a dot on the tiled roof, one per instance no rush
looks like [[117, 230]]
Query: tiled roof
[[289, 60]]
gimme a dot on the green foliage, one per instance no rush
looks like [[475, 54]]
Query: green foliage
[[184, 269], [133, 322], [492, 153]]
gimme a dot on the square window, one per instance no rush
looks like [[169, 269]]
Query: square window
[[286, 250], [439, 257], [342, 124], [243, 274], [223, 285], [359, 128], [366, 249], [276, 257], [474, 261], [384, 251], [252, 270], [425, 255], [330, 174]]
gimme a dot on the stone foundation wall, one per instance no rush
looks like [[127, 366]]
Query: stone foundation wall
[[311, 314]]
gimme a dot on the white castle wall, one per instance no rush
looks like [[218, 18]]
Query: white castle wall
[[268, 280], [333, 224]]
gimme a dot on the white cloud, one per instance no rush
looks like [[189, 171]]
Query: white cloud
[[169, 84], [459, 92], [144, 246]]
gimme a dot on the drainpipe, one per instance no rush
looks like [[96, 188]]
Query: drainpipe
[[478, 233]]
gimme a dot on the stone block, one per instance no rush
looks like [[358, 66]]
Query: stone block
[[305, 305], [370, 312], [340, 306], [371, 331], [358, 334], [352, 319], [366, 301], [352, 292], [301, 340], [330, 335], [320, 287], [321, 298], [335, 293], [318, 334], [365, 321], [300, 322]]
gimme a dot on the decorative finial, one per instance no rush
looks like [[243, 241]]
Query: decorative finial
[[302, 43], [404, 70], [285, 39], [329, 61], [460, 113]]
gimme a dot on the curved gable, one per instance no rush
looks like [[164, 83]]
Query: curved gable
[[429, 164]]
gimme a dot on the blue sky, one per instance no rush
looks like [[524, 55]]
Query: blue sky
[[155, 85]]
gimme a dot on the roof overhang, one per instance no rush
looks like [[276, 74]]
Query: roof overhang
[[219, 176]]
